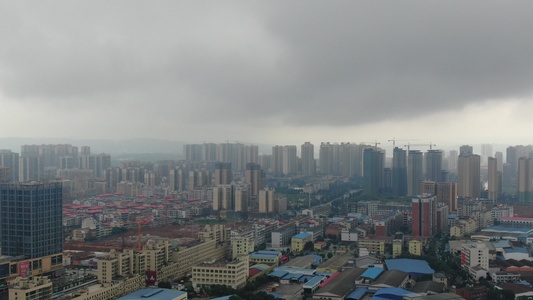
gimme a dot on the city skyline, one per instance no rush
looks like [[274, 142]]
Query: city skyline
[[265, 71]]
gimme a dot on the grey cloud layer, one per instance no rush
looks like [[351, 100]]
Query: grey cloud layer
[[304, 62]]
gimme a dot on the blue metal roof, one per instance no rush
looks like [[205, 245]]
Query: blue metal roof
[[505, 229], [305, 277], [315, 280], [517, 250], [295, 270], [269, 252], [259, 268], [278, 274], [223, 297], [409, 265], [390, 293], [317, 258], [372, 273], [255, 255], [301, 236], [153, 294], [275, 295], [501, 244], [293, 276], [358, 293]]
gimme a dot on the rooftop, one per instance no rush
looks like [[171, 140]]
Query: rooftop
[[153, 294], [301, 236], [343, 283], [409, 265], [517, 218], [372, 273]]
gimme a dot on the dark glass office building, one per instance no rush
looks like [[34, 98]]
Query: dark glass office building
[[31, 219]]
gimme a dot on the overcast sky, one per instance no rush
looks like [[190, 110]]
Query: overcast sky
[[280, 72]]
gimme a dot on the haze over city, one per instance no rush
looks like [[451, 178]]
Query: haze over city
[[271, 72]]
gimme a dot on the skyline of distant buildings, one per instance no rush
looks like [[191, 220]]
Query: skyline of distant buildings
[[484, 175]]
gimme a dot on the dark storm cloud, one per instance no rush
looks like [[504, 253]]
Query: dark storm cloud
[[305, 62]]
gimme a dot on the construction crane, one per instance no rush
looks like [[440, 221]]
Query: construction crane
[[430, 145], [375, 142], [139, 230], [394, 140]]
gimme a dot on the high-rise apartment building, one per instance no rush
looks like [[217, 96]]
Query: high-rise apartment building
[[192, 152], [424, 209], [199, 178], [266, 201], [308, 159], [30, 168], [399, 172], [373, 170], [241, 195], [452, 160], [5, 175], [95, 162], [499, 159], [284, 160], [414, 172], [469, 176], [265, 161], [10, 160], [447, 194], [486, 152], [351, 159], [329, 158], [428, 187], [276, 161], [247, 154], [494, 180], [223, 174], [525, 180], [255, 177], [466, 150], [31, 220], [434, 165], [223, 198], [209, 152], [177, 179], [290, 160]]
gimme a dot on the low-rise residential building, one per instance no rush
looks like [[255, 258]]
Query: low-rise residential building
[[376, 245], [349, 235], [233, 274], [415, 247], [119, 287], [464, 227], [266, 257], [472, 293], [281, 237], [503, 277], [397, 246], [475, 259], [25, 288], [241, 246], [298, 241]]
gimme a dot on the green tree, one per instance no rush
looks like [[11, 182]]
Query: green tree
[[308, 246]]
